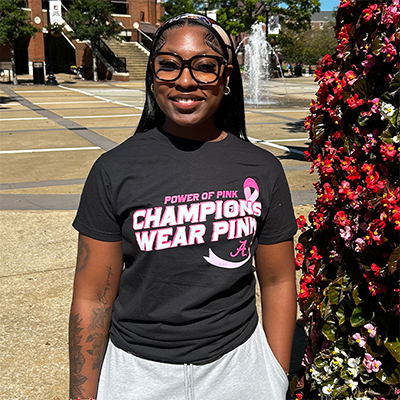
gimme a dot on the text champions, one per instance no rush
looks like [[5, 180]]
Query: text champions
[[161, 228]]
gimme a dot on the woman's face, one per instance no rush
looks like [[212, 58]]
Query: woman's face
[[189, 106]]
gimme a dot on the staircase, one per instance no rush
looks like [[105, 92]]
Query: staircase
[[136, 57]]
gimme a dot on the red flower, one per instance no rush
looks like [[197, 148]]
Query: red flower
[[368, 13], [373, 286], [301, 222], [388, 151], [341, 219], [303, 292], [313, 254], [354, 101], [375, 232], [395, 217]]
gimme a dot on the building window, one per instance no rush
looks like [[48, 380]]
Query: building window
[[120, 7]]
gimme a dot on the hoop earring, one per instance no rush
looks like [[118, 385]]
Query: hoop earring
[[152, 87], [227, 91]]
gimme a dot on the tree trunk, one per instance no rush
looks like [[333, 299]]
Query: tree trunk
[[14, 69], [95, 76]]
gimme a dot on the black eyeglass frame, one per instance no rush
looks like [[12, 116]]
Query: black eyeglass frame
[[188, 63]]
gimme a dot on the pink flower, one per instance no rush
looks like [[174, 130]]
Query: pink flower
[[360, 245], [350, 77], [389, 50], [375, 105], [368, 63], [371, 364], [392, 14], [361, 340], [371, 330]]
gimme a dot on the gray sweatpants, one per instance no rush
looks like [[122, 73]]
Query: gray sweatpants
[[249, 372]]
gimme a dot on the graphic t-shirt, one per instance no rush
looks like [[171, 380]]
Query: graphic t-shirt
[[190, 215]]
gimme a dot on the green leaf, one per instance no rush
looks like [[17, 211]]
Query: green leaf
[[394, 85], [363, 120], [395, 118], [389, 373], [393, 263], [329, 328], [334, 291], [387, 136], [341, 313], [361, 316], [394, 348], [319, 362], [319, 127], [376, 46], [363, 88], [356, 296]]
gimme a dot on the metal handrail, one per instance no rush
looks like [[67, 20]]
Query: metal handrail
[[118, 63], [146, 36]]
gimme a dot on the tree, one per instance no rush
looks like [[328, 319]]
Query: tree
[[239, 15], [177, 7], [349, 250], [308, 46], [92, 20], [14, 23]]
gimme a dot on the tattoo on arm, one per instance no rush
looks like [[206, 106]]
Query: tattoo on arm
[[76, 357], [83, 254], [99, 316]]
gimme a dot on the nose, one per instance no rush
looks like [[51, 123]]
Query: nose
[[186, 80]]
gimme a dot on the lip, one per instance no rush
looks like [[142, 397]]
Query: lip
[[186, 102]]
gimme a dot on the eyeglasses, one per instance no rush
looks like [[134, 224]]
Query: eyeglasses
[[206, 21], [203, 68]]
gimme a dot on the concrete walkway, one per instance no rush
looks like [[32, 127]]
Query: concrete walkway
[[50, 137]]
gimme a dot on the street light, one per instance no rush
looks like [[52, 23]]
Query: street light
[[206, 4], [267, 10]]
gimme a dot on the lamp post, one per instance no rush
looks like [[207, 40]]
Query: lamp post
[[52, 81], [267, 10], [206, 4]]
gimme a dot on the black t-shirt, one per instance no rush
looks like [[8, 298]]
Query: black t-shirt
[[190, 215]]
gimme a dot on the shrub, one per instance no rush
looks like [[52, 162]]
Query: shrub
[[349, 247]]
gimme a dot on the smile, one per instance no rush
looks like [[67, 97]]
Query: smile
[[186, 100]]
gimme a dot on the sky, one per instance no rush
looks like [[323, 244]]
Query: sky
[[329, 5]]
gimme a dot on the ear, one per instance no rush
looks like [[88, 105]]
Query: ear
[[228, 73]]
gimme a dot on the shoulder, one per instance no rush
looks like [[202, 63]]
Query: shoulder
[[253, 154], [131, 150]]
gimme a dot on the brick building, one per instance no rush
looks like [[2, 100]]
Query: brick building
[[66, 52]]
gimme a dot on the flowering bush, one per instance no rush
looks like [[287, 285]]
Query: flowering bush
[[349, 247]]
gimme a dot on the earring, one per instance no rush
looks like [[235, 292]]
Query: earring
[[152, 87], [227, 91]]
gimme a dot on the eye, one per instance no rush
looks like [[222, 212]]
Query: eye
[[167, 64], [208, 65]]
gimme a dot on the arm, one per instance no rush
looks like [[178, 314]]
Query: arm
[[276, 273], [98, 270]]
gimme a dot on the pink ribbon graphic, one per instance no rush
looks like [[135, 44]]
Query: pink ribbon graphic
[[212, 258], [249, 184]]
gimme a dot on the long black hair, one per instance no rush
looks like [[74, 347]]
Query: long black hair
[[230, 115]]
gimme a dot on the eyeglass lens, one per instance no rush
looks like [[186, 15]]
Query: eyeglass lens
[[204, 69]]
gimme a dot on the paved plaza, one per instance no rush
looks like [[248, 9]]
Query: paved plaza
[[49, 138]]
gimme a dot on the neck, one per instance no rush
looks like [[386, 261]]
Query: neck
[[206, 132]]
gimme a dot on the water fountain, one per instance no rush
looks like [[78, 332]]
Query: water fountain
[[257, 67]]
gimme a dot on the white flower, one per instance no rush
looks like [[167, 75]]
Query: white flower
[[354, 362], [327, 389], [396, 139], [387, 110], [351, 384], [336, 362]]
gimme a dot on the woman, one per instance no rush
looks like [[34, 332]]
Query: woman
[[169, 222]]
